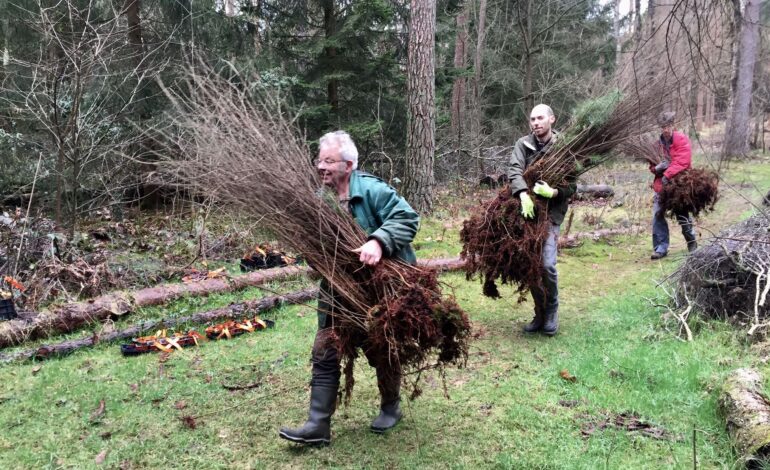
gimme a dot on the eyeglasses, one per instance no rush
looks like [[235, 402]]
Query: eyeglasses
[[326, 162]]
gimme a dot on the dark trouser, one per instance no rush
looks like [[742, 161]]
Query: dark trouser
[[547, 299], [660, 236], [326, 362]]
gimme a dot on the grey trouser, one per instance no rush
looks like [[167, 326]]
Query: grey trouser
[[547, 299], [660, 236]]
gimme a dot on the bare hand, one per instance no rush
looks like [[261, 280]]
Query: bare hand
[[371, 252]]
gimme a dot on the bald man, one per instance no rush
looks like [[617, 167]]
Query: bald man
[[527, 151]]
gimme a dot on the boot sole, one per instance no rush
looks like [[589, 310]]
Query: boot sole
[[550, 333], [381, 430], [384, 430], [301, 440]]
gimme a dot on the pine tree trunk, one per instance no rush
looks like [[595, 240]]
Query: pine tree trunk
[[477, 69], [616, 33], [420, 84], [330, 28], [737, 129], [459, 87], [529, 98], [132, 9], [638, 17]]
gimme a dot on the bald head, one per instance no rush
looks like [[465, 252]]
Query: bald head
[[542, 109], [540, 120]]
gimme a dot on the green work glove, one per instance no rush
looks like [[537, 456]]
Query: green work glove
[[542, 189], [527, 206]]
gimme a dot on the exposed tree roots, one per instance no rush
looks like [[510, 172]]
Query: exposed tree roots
[[690, 192], [502, 246]]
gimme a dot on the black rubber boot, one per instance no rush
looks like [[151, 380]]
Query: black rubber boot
[[389, 384], [317, 429], [390, 415], [692, 245], [537, 323], [551, 325]]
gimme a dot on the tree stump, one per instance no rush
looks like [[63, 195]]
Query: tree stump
[[747, 415]]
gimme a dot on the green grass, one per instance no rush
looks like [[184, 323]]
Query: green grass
[[509, 408]]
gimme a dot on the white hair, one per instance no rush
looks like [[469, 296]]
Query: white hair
[[343, 141]]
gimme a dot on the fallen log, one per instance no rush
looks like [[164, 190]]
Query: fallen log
[[233, 311], [74, 315], [747, 415], [443, 264], [71, 316], [574, 240], [594, 191]]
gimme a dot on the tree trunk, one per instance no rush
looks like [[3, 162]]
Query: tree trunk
[[616, 33], [476, 89], [594, 191], [651, 15], [134, 34], [420, 84], [231, 312], [747, 415], [529, 98], [638, 20], [737, 129], [330, 29], [72, 316], [458, 88], [132, 8]]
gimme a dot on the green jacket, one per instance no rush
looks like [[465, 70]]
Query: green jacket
[[384, 215], [524, 154]]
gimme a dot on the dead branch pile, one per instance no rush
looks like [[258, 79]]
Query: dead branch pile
[[691, 191], [498, 242], [48, 263], [239, 149], [730, 276]]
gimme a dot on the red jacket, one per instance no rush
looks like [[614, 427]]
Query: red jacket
[[680, 158]]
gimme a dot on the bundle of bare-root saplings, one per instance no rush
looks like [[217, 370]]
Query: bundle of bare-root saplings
[[691, 191], [238, 148], [499, 244], [730, 277]]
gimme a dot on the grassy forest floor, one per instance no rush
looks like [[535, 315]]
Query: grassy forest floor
[[510, 407]]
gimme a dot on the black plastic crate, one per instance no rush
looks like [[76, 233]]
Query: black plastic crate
[[7, 309]]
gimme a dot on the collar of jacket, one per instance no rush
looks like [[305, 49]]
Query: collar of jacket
[[531, 141], [356, 187]]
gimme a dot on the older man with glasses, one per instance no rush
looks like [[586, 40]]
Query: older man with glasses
[[391, 225]]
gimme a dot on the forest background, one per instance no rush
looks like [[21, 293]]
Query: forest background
[[80, 81]]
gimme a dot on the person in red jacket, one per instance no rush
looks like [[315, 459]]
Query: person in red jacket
[[675, 146]]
